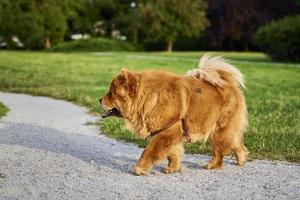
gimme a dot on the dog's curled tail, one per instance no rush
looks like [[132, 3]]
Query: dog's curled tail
[[217, 71]]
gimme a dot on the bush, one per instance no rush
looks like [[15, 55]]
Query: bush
[[94, 44], [281, 39]]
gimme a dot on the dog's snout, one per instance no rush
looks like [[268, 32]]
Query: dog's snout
[[100, 100]]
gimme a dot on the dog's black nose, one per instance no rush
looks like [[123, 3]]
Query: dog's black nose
[[100, 100]]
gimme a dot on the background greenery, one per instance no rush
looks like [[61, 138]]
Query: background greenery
[[281, 39], [273, 92], [3, 110], [93, 45], [154, 24]]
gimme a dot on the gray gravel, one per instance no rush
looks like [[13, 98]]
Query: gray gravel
[[48, 152]]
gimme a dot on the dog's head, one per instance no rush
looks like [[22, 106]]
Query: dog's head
[[121, 95]]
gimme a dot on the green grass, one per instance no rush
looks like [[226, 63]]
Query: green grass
[[93, 44], [273, 90], [3, 110]]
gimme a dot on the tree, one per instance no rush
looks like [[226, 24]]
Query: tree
[[167, 19], [92, 12], [127, 20], [110, 14], [281, 39], [233, 23], [37, 23]]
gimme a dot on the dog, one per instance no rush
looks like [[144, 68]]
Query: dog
[[206, 103]]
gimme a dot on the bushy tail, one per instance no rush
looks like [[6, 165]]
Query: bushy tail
[[217, 71]]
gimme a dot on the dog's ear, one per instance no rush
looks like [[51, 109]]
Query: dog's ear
[[123, 77], [129, 80], [124, 73], [128, 76]]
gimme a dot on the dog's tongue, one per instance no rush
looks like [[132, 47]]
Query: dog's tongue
[[112, 112]]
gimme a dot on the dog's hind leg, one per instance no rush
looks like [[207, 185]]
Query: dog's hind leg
[[221, 144], [241, 153], [217, 160]]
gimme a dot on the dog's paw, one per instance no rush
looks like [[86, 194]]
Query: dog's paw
[[169, 170], [212, 166], [241, 163], [139, 171]]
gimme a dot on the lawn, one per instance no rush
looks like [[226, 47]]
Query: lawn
[[273, 90], [3, 110]]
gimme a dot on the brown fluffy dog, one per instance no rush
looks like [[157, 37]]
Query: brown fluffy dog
[[209, 100]]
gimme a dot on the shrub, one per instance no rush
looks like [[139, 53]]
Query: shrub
[[94, 44], [3, 110], [281, 39]]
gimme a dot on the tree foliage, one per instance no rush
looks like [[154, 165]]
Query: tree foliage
[[168, 19], [281, 39], [109, 14], [37, 23], [189, 24], [234, 22]]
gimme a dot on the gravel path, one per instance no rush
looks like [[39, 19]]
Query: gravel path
[[47, 152]]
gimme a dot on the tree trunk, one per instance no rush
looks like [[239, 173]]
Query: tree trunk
[[47, 43], [135, 35], [170, 45]]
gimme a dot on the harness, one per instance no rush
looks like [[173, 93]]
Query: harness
[[184, 129]]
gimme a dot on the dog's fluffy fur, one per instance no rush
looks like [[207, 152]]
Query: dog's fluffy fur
[[209, 98]]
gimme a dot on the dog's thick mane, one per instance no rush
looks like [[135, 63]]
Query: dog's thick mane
[[210, 69]]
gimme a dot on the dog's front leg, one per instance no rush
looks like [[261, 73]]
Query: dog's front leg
[[145, 162], [174, 158], [157, 150]]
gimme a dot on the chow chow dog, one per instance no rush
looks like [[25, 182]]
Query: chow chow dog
[[206, 103]]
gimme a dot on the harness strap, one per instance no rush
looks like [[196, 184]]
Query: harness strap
[[184, 129], [162, 129]]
